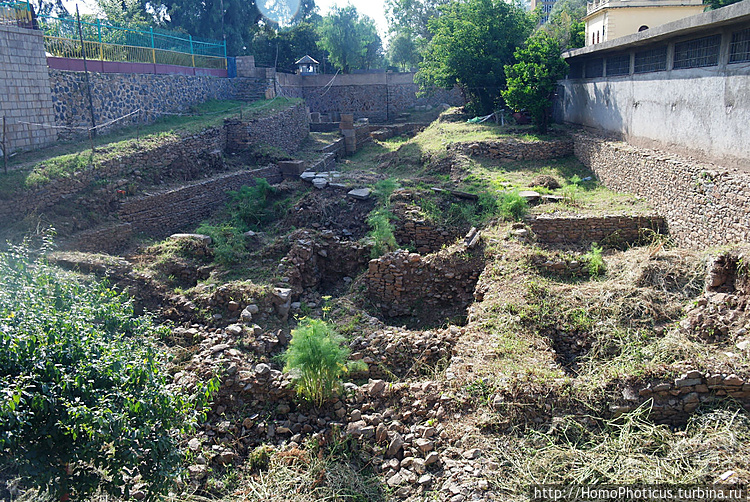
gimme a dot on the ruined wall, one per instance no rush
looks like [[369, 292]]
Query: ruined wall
[[162, 214], [285, 130], [606, 230], [704, 205], [512, 148], [410, 230], [404, 283], [24, 90], [117, 94]]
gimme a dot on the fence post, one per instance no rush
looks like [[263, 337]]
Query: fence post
[[192, 52], [92, 131], [153, 47], [99, 32], [5, 151]]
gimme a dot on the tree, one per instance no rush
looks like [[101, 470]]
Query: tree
[[412, 17], [403, 52], [284, 47], [532, 79], [351, 40], [717, 4], [471, 43], [566, 23]]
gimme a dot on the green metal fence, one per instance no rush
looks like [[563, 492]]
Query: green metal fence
[[107, 42]]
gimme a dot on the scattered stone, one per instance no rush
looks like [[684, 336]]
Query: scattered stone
[[194, 444], [197, 471], [472, 454], [530, 195], [359, 193], [396, 444], [205, 239]]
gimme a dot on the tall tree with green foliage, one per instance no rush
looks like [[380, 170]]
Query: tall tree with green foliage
[[718, 4], [472, 41], [284, 47], [410, 18], [532, 79], [402, 51], [351, 40], [566, 23]]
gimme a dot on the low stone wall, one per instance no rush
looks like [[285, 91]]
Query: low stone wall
[[606, 230], [704, 205], [171, 159], [285, 130], [404, 283], [673, 402], [162, 214], [517, 149], [117, 94], [417, 232]]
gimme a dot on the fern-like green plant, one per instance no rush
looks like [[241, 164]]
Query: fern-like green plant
[[512, 206], [594, 261], [316, 360]]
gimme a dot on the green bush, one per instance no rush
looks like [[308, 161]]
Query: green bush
[[85, 399], [251, 207], [512, 206], [316, 360], [228, 242], [594, 261], [384, 240]]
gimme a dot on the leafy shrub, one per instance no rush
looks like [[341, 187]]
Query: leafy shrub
[[594, 261], [85, 399], [228, 242], [512, 206], [381, 219], [251, 206], [316, 360]]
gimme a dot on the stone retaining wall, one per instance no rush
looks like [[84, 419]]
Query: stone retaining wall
[[512, 148], [117, 94], [704, 205], [425, 237], [404, 283], [172, 159], [605, 230], [162, 214], [285, 130]]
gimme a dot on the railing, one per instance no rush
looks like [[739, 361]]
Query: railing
[[16, 14], [107, 42]]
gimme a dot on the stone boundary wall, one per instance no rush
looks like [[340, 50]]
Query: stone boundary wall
[[176, 158], [404, 283], [381, 97], [608, 230], [285, 130], [516, 149], [704, 205], [426, 238], [24, 90], [160, 215], [117, 94]]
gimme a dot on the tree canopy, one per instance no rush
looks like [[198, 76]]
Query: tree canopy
[[351, 40], [471, 43], [533, 77]]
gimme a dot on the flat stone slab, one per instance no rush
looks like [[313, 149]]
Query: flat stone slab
[[529, 195], [552, 198], [359, 193], [320, 183], [201, 237]]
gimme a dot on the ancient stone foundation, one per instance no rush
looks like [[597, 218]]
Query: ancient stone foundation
[[604, 230]]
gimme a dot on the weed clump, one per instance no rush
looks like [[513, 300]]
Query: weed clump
[[512, 206], [594, 261], [316, 360], [381, 219]]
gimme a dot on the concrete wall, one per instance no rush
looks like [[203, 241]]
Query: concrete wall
[[24, 89], [377, 96], [702, 112]]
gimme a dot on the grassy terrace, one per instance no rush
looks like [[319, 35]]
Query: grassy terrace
[[35, 168]]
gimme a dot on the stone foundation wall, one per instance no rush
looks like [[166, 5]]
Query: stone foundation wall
[[117, 94], [285, 130], [425, 237], [606, 230], [404, 283], [704, 205], [516, 149]]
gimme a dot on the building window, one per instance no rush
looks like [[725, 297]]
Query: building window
[[594, 68], [597, 37], [593, 38], [643, 28], [739, 50], [650, 60], [697, 53], [618, 65], [575, 71]]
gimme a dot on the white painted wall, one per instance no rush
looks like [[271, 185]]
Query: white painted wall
[[700, 111]]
